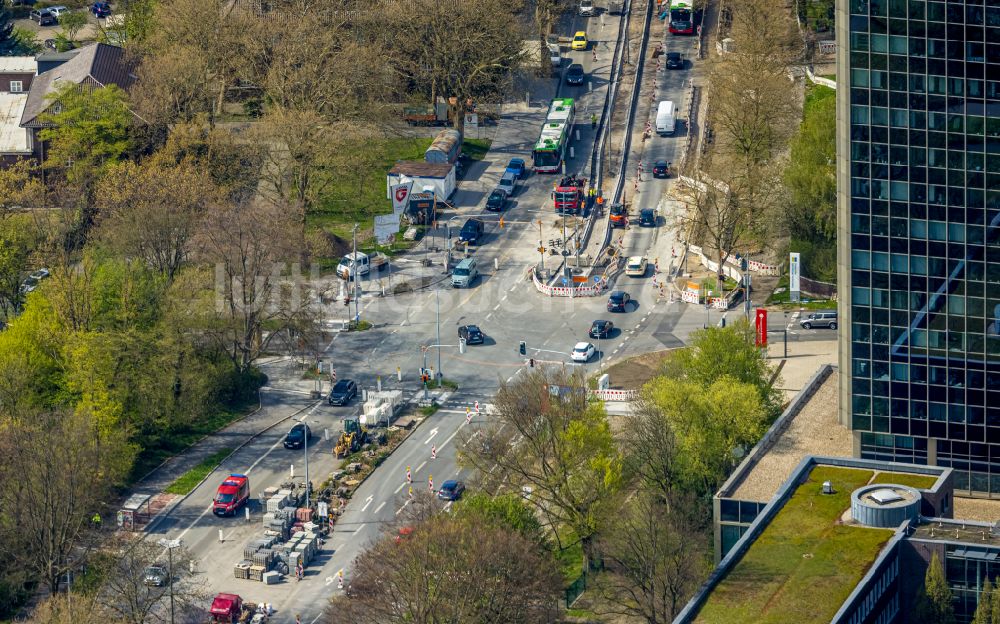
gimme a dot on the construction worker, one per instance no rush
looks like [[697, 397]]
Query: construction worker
[[593, 117], [96, 520]]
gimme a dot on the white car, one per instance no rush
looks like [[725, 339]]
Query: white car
[[555, 56], [586, 8], [40, 274], [58, 10], [636, 266], [583, 351]]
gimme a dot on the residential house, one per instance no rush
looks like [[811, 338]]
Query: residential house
[[16, 75]]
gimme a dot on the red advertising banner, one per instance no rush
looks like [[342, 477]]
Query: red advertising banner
[[760, 323]]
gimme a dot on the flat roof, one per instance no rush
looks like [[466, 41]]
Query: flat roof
[[17, 65], [13, 138], [805, 563], [815, 430]]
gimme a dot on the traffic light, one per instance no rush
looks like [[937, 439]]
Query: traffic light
[[523, 348]]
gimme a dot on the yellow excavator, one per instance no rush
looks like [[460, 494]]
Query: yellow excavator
[[352, 438]]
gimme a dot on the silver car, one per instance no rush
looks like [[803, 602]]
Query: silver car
[[819, 319]]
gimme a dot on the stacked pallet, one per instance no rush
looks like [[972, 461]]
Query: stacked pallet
[[242, 570], [257, 572], [304, 514]]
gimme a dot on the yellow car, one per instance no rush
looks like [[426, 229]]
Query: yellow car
[[580, 41]]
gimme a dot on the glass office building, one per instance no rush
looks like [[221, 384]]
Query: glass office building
[[918, 142]]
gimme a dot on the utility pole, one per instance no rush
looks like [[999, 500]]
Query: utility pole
[[170, 545], [357, 276], [305, 454], [440, 373]]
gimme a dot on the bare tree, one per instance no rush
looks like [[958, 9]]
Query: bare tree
[[57, 472], [465, 51], [250, 246], [127, 596], [546, 435], [450, 570], [150, 210], [656, 556]]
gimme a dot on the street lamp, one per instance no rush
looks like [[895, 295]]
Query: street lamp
[[305, 453], [170, 545], [440, 373]]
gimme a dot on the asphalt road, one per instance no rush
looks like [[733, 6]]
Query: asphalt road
[[502, 303]]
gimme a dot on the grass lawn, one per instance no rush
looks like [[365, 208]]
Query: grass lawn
[[804, 565], [187, 481], [157, 451], [358, 198], [815, 93], [781, 299], [921, 482]]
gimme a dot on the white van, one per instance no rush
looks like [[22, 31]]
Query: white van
[[666, 118], [465, 273]]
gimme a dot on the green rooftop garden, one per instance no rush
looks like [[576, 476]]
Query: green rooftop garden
[[919, 481], [805, 564]]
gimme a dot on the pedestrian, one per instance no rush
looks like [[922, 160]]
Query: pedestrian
[[593, 116], [96, 520]]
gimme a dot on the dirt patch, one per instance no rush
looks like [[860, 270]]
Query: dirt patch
[[634, 372]]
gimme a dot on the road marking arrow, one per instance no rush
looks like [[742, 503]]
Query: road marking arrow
[[434, 432], [368, 501], [329, 580]]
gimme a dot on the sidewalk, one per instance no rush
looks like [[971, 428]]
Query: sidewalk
[[804, 359]]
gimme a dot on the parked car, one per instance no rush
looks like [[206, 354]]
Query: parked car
[[647, 217], [297, 436], [583, 351], [28, 285], [580, 41], [155, 576], [602, 329], [100, 9], [555, 56], [518, 167], [471, 334], [496, 201], [471, 232], [58, 11], [342, 393], [587, 8], [674, 60], [508, 183], [575, 75], [618, 301], [820, 319], [40, 274], [636, 266], [451, 490], [661, 169], [44, 17]]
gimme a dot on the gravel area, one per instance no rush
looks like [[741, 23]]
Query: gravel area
[[814, 431], [980, 509]]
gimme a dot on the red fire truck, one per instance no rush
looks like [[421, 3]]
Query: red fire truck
[[568, 194]]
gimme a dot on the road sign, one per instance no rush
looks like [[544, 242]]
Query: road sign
[[322, 509], [597, 279], [565, 281], [761, 327]]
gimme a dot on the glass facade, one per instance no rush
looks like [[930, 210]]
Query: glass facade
[[966, 568], [923, 214]]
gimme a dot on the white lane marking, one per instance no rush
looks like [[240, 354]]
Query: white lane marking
[[621, 345], [448, 505], [496, 307], [358, 530], [614, 352], [512, 288], [488, 316], [379, 508], [401, 486], [504, 298], [434, 432], [422, 464], [368, 501], [400, 510], [625, 339]]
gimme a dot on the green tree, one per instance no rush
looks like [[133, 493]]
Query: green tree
[[507, 511], [72, 22], [984, 610], [710, 423], [935, 602], [17, 241], [87, 131], [995, 602], [715, 353]]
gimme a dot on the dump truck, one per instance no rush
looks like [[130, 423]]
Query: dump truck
[[567, 195], [231, 609]]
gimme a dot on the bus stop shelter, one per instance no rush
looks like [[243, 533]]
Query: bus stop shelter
[[135, 512]]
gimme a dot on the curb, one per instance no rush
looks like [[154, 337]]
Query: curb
[[174, 503]]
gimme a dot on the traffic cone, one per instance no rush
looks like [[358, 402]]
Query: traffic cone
[[434, 452]]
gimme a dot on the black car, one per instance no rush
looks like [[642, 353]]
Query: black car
[[661, 169], [575, 75], [471, 232], [297, 436], [618, 301], [471, 334], [101, 9], [647, 218], [451, 490], [675, 60], [496, 201], [343, 392], [602, 329]]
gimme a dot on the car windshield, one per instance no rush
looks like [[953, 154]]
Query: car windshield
[[347, 260], [635, 264], [473, 329], [580, 349], [225, 498], [461, 272], [580, 38], [617, 297]]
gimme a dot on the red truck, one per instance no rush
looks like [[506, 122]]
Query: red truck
[[231, 495], [568, 195]]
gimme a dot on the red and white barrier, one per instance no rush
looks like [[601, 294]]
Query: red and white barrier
[[615, 395]]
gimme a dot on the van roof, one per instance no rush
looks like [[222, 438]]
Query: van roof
[[467, 262]]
